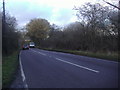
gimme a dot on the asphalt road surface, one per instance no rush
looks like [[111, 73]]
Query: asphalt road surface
[[49, 69]]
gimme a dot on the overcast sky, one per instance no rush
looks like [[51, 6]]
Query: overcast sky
[[59, 12]]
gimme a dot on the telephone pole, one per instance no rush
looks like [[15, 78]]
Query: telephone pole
[[4, 32], [3, 19], [119, 29]]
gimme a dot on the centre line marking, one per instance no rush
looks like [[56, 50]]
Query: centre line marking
[[39, 52], [78, 65], [71, 63]]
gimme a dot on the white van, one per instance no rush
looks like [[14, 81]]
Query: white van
[[32, 45]]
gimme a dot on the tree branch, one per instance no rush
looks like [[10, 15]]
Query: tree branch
[[112, 4]]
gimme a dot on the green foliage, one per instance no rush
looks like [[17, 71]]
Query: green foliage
[[38, 29], [0, 72], [101, 55], [10, 36], [9, 67]]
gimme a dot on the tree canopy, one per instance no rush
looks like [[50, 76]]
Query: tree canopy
[[10, 36], [37, 29]]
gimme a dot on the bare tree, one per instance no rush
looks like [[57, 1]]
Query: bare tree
[[112, 4], [11, 36]]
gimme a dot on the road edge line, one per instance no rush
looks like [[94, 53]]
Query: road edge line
[[22, 72]]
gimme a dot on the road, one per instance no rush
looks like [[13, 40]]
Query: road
[[49, 69]]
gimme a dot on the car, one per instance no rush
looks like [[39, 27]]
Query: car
[[25, 46], [32, 45]]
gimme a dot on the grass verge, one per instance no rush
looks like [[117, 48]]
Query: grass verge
[[9, 68], [107, 56], [1, 73]]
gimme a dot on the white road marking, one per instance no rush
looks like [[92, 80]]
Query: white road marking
[[69, 63], [115, 62], [78, 65], [42, 53], [39, 52], [22, 72], [50, 56]]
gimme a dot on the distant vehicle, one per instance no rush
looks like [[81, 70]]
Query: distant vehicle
[[32, 45], [25, 46]]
